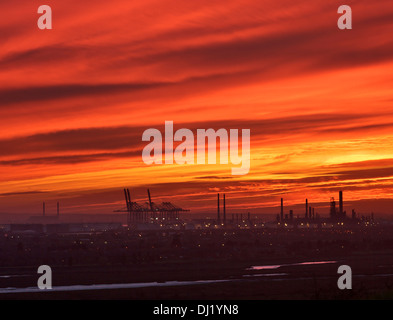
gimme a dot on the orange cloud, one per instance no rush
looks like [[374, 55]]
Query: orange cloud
[[74, 101]]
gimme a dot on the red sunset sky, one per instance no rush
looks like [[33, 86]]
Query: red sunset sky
[[75, 100]]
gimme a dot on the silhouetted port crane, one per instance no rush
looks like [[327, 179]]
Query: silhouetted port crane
[[149, 212]]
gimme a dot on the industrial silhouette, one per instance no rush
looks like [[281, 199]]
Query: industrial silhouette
[[150, 211]]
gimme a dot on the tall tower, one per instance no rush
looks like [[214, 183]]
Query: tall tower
[[225, 217], [282, 210], [341, 204], [306, 209], [218, 207]]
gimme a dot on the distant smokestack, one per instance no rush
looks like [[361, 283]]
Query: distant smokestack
[[306, 208], [282, 210], [218, 207], [341, 203], [148, 195], [313, 213], [309, 212], [43, 209], [225, 217], [58, 209]]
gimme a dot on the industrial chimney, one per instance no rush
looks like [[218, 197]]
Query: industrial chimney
[[218, 207], [282, 210], [225, 217], [306, 215], [341, 203]]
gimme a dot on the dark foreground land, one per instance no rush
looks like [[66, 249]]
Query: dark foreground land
[[157, 258]]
